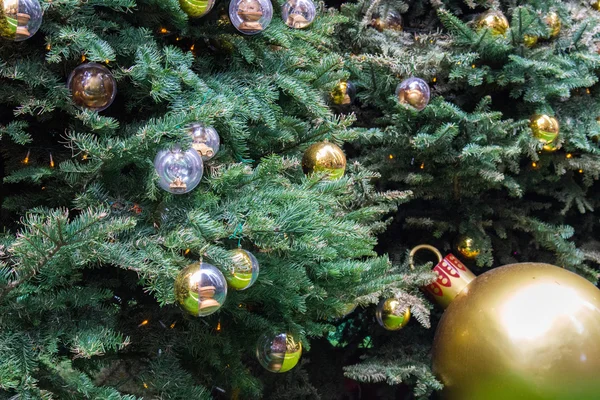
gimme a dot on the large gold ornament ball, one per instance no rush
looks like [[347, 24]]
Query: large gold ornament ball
[[521, 332], [494, 20], [467, 247], [92, 86], [545, 128], [324, 157], [596, 5]]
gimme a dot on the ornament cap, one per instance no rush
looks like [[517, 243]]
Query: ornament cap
[[452, 276]]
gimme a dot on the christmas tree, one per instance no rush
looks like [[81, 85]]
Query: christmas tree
[[180, 219], [498, 144], [94, 251]]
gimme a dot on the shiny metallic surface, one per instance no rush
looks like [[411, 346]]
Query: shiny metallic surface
[[324, 157], [494, 20], [521, 332]]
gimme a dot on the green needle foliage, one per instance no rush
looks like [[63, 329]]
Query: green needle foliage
[[91, 245]]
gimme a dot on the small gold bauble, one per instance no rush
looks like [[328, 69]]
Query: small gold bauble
[[196, 8], [389, 317], [596, 5], [530, 40], [467, 247], [245, 270], [521, 332], [494, 20], [324, 157], [545, 128], [554, 23], [92, 86], [343, 94]]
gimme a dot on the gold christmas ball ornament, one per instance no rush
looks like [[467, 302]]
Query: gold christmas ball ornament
[[526, 331], [596, 5], [278, 353], [92, 86], [467, 247], [200, 289], [521, 332], [530, 40], [196, 8], [245, 270], [554, 23], [385, 19], [324, 157], [546, 129], [493, 20], [343, 94], [391, 316], [414, 92]]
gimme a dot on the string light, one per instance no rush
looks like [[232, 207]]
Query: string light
[[106, 61], [422, 166], [218, 326], [144, 322], [48, 46], [534, 164], [164, 30], [26, 159], [51, 161], [391, 156], [581, 171], [186, 252], [177, 39], [83, 58], [569, 155], [145, 385], [473, 66], [84, 157], [434, 79], [587, 91], [192, 47], [172, 325]]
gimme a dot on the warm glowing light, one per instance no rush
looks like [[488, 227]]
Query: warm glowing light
[[434, 79], [43, 187], [145, 385], [84, 157], [534, 164], [144, 322], [51, 161], [187, 251], [106, 61], [423, 166], [218, 326], [587, 91], [164, 30], [192, 47], [391, 156], [172, 325], [581, 171], [177, 39], [26, 159], [529, 313], [83, 58], [473, 66], [48, 46], [569, 155]]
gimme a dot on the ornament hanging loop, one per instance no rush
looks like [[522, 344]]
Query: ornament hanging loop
[[411, 259]]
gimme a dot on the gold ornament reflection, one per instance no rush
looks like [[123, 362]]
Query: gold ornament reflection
[[495, 21]]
